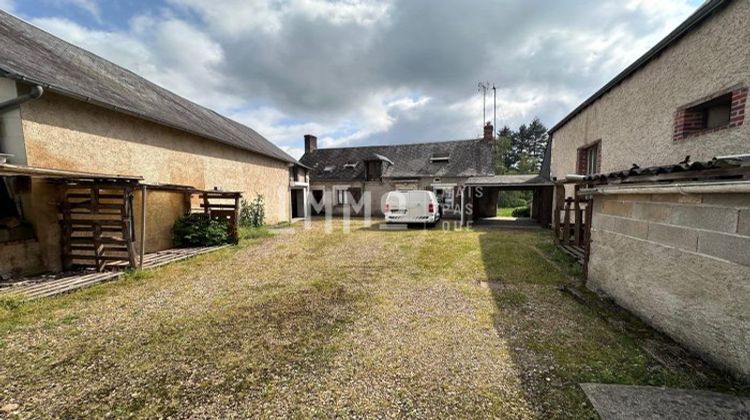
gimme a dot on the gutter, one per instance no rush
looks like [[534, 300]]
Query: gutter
[[721, 187], [705, 11], [35, 93]]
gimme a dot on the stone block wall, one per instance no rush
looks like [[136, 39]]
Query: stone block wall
[[681, 263]]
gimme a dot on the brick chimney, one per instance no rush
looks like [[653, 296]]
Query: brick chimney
[[311, 143], [489, 133]]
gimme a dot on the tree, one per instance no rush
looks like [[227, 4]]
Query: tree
[[503, 151], [521, 151]]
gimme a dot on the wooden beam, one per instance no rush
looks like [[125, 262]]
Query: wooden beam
[[144, 198]]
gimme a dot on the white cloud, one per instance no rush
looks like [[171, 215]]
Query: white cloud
[[7, 5], [364, 71], [88, 6]]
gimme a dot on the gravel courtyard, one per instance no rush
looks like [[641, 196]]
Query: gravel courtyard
[[314, 324]]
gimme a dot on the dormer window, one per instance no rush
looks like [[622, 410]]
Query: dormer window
[[374, 170], [440, 157]]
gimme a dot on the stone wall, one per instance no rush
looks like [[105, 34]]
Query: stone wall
[[681, 263]]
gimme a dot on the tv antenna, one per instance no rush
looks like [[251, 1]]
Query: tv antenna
[[483, 86]]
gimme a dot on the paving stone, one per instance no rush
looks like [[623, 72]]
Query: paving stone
[[615, 402]]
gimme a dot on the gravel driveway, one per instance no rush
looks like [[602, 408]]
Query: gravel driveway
[[371, 323]]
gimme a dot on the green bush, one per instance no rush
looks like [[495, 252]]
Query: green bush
[[522, 212], [510, 199], [253, 214], [198, 229]]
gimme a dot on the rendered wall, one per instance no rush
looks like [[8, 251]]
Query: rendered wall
[[681, 263], [62, 133], [635, 120]]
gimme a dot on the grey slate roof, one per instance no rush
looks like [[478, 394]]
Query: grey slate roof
[[32, 55], [467, 158], [509, 181]]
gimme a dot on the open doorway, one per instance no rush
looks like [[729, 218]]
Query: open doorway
[[298, 203]]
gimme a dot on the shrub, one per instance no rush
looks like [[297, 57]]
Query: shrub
[[512, 199], [522, 212], [198, 229], [253, 214]]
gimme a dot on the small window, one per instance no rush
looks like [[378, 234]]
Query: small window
[[342, 195], [440, 157], [445, 197], [350, 165], [589, 160], [374, 170], [722, 111]]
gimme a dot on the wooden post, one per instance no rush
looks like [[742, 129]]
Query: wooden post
[[566, 223], [142, 250], [559, 202], [587, 237], [577, 228], [463, 205]]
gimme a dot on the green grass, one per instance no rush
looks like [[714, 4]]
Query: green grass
[[506, 212], [374, 324]]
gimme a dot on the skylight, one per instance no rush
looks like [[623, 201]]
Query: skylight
[[440, 157], [329, 168], [350, 165]]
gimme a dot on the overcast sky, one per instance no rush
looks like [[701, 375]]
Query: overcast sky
[[358, 72]]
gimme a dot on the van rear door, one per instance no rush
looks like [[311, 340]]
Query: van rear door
[[416, 203]]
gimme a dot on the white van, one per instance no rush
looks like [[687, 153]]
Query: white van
[[412, 207]]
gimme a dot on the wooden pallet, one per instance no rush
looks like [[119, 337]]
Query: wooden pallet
[[576, 252], [79, 281], [97, 225]]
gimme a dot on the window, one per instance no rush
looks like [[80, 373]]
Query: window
[[342, 195], [445, 196], [589, 159], [350, 165], [721, 111], [374, 170]]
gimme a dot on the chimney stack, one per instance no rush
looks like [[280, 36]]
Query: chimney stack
[[311, 143], [489, 133]]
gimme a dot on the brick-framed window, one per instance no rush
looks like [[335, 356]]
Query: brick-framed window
[[589, 160], [722, 110]]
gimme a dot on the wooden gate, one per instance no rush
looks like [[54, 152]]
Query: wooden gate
[[572, 223], [97, 225]]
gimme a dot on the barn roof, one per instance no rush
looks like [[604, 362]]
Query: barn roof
[[32, 55], [458, 158]]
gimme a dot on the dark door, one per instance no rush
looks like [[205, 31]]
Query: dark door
[[295, 212], [318, 200]]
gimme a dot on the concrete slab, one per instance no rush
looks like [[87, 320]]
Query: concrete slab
[[614, 402]]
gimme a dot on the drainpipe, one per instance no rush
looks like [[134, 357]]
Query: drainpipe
[[36, 92]]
